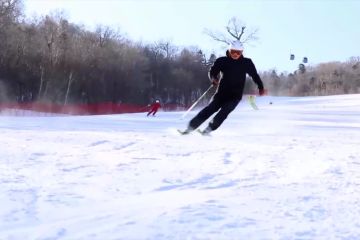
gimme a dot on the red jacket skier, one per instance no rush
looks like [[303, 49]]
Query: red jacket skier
[[154, 108]]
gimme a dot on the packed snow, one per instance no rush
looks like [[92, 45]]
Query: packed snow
[[290, 170]]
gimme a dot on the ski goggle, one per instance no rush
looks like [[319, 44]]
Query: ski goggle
[[235, 52]]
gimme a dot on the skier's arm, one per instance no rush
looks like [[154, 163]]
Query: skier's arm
[[214, 72], [255, 76]]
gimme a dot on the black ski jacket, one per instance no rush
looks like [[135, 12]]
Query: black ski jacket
[[233, 78]]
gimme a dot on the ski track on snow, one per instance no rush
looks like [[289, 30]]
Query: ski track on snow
[[284, 172]]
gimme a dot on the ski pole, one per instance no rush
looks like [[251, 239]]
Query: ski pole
[[195, 103]]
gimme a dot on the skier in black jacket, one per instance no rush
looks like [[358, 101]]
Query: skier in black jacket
[[233, 69]]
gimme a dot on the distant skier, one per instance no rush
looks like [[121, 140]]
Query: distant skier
[[154, 108], [233, 67]]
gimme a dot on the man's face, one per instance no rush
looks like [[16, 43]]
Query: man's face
[[235, 54]]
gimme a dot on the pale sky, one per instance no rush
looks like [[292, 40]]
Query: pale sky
[[322, 30]]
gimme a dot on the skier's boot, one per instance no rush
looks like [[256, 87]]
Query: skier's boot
[[186, 131], [206, 131]]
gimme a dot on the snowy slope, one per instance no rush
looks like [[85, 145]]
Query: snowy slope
[[288, 171]]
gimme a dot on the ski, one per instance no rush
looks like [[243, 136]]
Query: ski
[[182, 132], [204, 133]]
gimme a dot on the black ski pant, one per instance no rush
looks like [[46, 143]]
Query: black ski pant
[[225, 106]]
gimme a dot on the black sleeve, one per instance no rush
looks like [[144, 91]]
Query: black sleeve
[[215, 69], [254, 75]]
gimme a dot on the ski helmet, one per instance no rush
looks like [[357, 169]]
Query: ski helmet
[[236, 45]]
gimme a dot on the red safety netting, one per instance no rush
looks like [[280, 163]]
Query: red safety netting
[[85, 109]]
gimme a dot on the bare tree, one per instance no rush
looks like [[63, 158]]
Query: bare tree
[[235, 30], [106, 34], [166, 48], [10, 11]]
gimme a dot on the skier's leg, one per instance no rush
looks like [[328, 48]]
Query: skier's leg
[[204, 114], [219, 118]]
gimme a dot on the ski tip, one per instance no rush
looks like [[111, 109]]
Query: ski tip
[[172, 131], [182, 132]]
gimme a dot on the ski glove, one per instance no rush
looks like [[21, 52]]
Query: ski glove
[[261, 92], [214, 81]]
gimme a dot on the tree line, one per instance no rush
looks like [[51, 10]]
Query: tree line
[[49, 59], [323, 79]]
